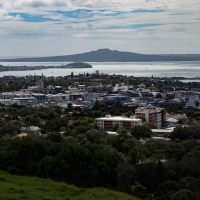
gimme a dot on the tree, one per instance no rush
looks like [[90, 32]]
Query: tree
[[94, 135], [116, 126], [133, 156], [11, 128], [54, 137], [151, 125], [158, 96], [180, 121], [69, 106], [166, 187], [128, 113], [139, 191], [126, 176], [160, 175], [141, 131], [184, 195], [121, 130], [81, 129], [185, 133]]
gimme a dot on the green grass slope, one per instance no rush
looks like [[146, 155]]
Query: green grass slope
[[19, 187]]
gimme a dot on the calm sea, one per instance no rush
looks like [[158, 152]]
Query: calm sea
[[138, 69]]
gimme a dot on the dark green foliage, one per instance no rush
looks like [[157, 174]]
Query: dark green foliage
[[95, 136], [116, 126], [85, 156], [55, 124], [52, 157], [190, 183], [185, 133], [145, 174], [193, 113], [175, 150], [189, 166], [184, 195], [141, 132], [126, 176], [139, 191], [160, 175], [11, 127], [166, 189]]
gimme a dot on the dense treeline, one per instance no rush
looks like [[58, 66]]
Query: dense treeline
[[53, 157], [88, 157], [100, 160], [14, 86]]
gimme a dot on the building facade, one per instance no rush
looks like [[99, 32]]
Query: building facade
[[108, 123], [151, 114]]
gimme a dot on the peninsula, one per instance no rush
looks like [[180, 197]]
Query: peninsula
[[24, 67]]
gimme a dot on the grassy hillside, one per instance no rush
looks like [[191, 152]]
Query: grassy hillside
[[19, 187]]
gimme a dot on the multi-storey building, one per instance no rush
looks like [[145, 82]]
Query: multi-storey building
[[108, 123], [151, 114]]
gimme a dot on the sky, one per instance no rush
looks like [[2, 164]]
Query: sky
[[31, 28]]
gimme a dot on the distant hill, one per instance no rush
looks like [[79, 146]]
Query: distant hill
[[21, 187], [107, 55]]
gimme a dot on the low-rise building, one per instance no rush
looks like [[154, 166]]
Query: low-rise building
[[57, 97], [31, 130], [108, 122], [39, 97], [7, 95], [26, 101]]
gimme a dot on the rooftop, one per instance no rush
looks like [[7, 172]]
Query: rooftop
[[118, 118]]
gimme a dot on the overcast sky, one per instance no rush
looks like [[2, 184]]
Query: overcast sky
[[63, 27]]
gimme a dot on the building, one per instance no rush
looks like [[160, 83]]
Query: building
[[108, 122], [76, 95], [39, 97], [7, 95], [39, 84], [25, 101], [193, 101], [57, 97], [31, 130], [113, 99], [151, 114]]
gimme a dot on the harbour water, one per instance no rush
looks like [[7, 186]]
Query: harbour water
[[137, 69]]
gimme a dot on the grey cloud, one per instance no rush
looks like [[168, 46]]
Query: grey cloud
[[37, 4], [178, 29], [84, 14], [20, 4], [90, 26], [42, 4]]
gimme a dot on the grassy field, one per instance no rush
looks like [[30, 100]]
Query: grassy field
[[20, 187]]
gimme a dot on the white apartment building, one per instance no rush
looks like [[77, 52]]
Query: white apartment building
[[108, 122]]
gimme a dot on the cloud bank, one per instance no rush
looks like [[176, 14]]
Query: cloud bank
[[58, 27]]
